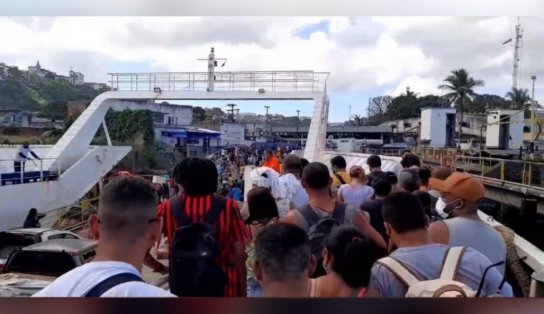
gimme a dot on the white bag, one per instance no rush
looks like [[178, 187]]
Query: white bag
[[443, 287]]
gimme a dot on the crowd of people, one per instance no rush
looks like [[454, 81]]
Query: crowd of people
[[301, 232]]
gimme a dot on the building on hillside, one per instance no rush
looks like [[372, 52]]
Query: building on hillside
[[62, 78], [16, 118], [39, 72], [76, 78], [26, 119], [4, 71], [97, 86]]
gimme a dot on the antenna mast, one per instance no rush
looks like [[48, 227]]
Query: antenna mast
[[517, 57], [212, 64]]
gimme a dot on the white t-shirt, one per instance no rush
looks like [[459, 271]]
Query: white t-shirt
[[79, 281], [292, 189], [22, 150]]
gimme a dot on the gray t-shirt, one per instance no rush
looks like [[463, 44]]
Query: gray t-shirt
[[348, 216], [478, 235], [355, 195], [426, 262]]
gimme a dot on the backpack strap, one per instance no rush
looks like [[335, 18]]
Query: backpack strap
[[451, 262], [399, 270], [339, 177], [218, 204], [177, 210], [309, 215], [339, 212], [113, 281]]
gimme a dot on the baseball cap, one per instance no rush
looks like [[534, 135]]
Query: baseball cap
[[461, 185]]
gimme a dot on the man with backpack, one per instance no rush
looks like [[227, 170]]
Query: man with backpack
[[339, 174], [126, 228], [206, 236], [323, 213], [374, 163], [419, 268]]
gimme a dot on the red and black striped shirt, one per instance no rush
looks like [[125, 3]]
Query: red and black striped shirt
[[230, 229]]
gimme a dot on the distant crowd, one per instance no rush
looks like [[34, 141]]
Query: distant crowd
[[303, 230]]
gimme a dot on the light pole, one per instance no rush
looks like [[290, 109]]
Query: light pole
[[533, 111], [266, 117], [298, 123]]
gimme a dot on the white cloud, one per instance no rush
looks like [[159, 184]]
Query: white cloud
[[364, 55]]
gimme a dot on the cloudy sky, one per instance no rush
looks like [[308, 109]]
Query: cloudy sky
[[367, 56]]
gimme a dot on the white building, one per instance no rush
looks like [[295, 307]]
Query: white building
[[504, 129], [163, 113], [232, 134], [437, 127], [76, 78]]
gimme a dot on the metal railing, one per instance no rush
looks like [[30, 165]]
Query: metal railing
[[269, 81], [33, 170]]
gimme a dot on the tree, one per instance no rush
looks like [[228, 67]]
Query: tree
[[199, 114], [403, 106], [519, 97], [484, 102], [358, 120], [461, 91], [377, 108]]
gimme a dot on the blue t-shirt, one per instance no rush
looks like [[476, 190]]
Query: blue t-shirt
[[236, 194], [426, 262]]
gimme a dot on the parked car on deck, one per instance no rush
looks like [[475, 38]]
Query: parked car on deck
[[13, 239], [30, 269]]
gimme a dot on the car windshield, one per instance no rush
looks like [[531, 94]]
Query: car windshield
[[41, 263]]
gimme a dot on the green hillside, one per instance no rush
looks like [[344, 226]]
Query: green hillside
[[18, 92]]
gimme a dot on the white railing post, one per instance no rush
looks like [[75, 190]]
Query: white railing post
[[41, 169]]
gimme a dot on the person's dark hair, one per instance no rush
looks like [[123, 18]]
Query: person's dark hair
[[261, 205], [283, 251], [303, 163], [316, 176], [405, 151], [197, 176], [409, 180], [392, 177], [403, 211], [339, 162], [126, 207], [382, 187], [292, 163], [410, 160], [32, 214], [424, 175], [426, 201], [374, 161], [353, 255]]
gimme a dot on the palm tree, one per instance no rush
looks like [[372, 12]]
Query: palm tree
[[519, 97], [461, 89]]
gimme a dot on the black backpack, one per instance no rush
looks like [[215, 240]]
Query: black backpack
[[318, 230], [194, 253]]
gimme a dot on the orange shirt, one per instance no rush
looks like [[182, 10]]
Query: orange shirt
[[273, 163]]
